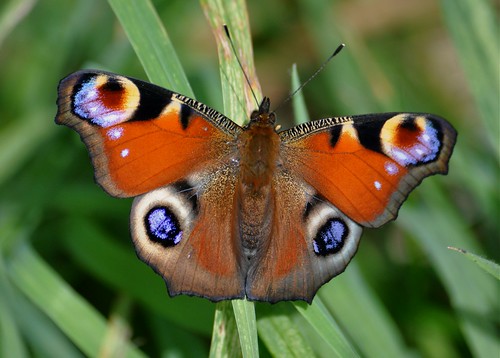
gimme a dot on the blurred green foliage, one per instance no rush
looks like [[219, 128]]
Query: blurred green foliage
[[70, 284]]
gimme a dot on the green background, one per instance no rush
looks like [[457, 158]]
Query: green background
[[70, 284]]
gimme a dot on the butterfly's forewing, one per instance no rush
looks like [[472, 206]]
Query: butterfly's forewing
[[145, 139], [367, 165], [141, 136]]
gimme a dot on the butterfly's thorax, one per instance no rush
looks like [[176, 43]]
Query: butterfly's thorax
[[258, 151]]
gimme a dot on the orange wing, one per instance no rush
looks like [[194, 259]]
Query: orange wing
[[141, 136], [367, 165], [178, 153]]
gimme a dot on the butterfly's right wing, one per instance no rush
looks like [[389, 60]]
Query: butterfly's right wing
[[367, 165]]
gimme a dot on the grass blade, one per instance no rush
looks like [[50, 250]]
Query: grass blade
[[325, 326], [280, 333], [474, 29], [298, 102], [362, 316], [225, 338], [54, 297], [233, 14], [473, 294], [151, 44], [489, 266], [244, 313]]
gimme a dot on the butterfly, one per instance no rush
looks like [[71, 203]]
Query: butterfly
[[224, 211]]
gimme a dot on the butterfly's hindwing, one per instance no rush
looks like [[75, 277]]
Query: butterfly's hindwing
[[186, 233], [310, 242]]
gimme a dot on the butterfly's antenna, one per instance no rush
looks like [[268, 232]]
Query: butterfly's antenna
[[239, 63], [323, 65]]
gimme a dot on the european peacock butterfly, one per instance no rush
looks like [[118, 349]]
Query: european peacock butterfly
[[223, 211]]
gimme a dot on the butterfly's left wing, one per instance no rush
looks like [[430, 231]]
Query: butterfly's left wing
[[367, 165], [178, 157], [141, 136]]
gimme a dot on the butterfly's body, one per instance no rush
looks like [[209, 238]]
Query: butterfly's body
[[224, 211]]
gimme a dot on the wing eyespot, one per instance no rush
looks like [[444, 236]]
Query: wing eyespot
[[331, 237], [162, 226]]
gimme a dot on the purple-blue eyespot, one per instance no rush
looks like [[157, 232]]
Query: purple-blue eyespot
[[162, 226], [330, 237]]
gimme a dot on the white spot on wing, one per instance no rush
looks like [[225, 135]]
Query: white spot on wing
[[115, 133], [377, 185], [124, 152], [391, 168]]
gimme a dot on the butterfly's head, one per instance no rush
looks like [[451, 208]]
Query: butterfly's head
[[262, 116]]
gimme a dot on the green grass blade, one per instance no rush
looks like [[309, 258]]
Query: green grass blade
[[489, 266], [473, 26], [11, 342], [238, 98], [151, 44], [39, 330], [233, 14], [280, 333], [325, 326], [362, 316], [298, 102], [54, 297], [473, 294], [225, 338], [11, 14], [244, 313]]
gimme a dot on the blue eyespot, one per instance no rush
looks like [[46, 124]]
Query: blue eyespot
[[330, 237], [162, 226]]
